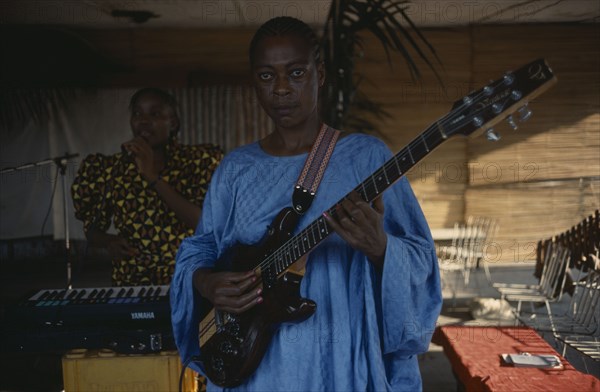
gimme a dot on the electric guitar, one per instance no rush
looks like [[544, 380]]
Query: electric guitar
[[232, 346]]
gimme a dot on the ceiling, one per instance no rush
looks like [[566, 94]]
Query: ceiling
[[238, 13]]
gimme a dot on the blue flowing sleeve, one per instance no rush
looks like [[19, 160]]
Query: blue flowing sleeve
[[198, 251], [411, 297]]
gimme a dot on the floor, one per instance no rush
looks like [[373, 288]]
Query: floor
[[43, 372]]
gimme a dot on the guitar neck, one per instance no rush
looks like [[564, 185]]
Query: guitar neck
[[479, 110], [384, 177]]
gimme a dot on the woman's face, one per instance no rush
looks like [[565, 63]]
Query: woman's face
[[152, 119], [287, 79]]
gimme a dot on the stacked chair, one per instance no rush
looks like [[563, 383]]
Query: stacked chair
[[579, 328], [569, 262], [466, 251], [550, 287]]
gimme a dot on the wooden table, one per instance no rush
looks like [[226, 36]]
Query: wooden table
[[475, 355]]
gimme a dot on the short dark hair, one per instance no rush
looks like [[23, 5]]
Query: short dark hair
[[164, 96], [285, 25]]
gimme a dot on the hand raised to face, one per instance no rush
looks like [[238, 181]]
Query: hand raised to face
[[143, 154]]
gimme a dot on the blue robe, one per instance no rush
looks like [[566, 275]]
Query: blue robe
[[369, 325]]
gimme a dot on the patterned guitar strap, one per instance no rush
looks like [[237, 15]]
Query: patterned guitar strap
[[314, 168], [311, 176]]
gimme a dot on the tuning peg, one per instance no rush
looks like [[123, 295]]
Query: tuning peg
[[525, 113], [491, 135], [512, 123]]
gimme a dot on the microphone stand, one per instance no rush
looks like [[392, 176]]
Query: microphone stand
[[61, 163]]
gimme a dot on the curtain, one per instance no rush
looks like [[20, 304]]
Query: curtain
[[229, 116]]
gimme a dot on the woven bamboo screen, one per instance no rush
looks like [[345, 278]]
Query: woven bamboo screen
[[536, 181], [440, 180], [229, 116], [545, 177]]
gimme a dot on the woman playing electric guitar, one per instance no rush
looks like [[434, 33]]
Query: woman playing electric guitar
[[375, 280]]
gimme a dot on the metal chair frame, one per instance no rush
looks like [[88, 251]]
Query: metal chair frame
[[550, 288], [579, 328]]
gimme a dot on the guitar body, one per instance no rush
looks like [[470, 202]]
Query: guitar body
[[236, 349]]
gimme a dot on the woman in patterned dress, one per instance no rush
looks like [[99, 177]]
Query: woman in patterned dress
[[152, 191]]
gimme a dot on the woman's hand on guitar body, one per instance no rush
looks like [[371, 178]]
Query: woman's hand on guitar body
[[232, 292]]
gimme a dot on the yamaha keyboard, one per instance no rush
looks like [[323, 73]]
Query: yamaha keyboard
[[128, 319], [127, 305]]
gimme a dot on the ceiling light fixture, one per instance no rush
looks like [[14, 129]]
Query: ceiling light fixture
[[138, 17]]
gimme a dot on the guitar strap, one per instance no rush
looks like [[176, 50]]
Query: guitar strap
[[314, 168]]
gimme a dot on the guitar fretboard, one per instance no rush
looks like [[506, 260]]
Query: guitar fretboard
[[311, 236]]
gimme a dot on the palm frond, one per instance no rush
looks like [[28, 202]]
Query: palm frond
[[343, 104]]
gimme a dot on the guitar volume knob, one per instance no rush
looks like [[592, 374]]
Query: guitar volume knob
[[217, 364], [227, 348], [233, 329]]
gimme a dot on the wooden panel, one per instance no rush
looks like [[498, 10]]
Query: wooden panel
[[527, 213], [439, 181], [174, 57], [563, 151], [543, 178], [425, 99], [563, 136]]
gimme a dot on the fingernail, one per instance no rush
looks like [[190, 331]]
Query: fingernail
[[259, 291], [325, 215], [259, 300], [254, 279]]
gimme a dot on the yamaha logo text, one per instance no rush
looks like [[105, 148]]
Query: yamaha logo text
[[142, 315]]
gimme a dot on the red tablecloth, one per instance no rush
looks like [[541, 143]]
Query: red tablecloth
[[474, 353]]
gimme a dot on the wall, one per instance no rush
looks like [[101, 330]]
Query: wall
[[537, 181], [173, 57], [546, 175]]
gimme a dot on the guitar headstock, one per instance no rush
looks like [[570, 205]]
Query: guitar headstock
[[498, 100]]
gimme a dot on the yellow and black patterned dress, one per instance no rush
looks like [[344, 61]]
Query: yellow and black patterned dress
[[110, 188]]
